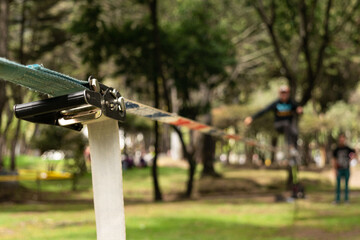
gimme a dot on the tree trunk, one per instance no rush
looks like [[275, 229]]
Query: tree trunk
[[18, 97], [189, 156], [155, 72], [207, 156], [274, 141], [165, 138], [154, 169], [191, 175], [207, 152], [4, 17], [329, 142], [17, 90], [307, 153], [22, 31], [13, 146], [289, 180]]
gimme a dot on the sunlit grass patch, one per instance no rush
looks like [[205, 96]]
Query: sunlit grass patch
[[237, 211]]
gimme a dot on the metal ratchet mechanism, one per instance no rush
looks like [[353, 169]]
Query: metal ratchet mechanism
[[75, 109]]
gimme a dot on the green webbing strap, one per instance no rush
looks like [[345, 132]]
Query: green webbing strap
[[40, 79]]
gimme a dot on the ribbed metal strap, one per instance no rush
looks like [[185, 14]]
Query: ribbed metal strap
[[39, 79]]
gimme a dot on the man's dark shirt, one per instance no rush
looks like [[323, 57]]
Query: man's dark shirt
[[342, 157], [282, 110]]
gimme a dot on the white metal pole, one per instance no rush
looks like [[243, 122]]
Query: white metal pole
[[107, 180]]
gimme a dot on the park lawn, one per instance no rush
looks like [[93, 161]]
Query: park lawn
[[238, 206], [175, 220], [220, 218]]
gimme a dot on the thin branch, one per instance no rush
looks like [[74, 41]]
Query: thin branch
[[241, 68], [290, 6], [9, 120], [311, 16], [273, 12], [347, 18], [270, 26], [320, 59], [254, 55], [245, 34], [261, 11], [304, 34], [325, 40]]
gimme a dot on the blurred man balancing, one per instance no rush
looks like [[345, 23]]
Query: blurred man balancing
[[284, 109], [341, 162]]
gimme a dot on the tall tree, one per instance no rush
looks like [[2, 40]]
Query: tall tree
[[134, 47], [4, 23], [198, 53], [306, 37], [156, 66], [37, 29], [193, 56], [17, 91]]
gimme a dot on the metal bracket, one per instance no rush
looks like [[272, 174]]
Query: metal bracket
[[75, 109]]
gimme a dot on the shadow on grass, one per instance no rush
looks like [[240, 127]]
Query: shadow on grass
[[197, 229], [142, 173], [178, 228], [339, 215], [248, 185], [317, 185], [238, 186], [44, 207]]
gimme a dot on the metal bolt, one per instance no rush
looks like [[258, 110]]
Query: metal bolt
[[94, 84], [121, 104], [112, 106], [114, 93]]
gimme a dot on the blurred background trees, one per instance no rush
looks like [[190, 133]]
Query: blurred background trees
[[213, 61]]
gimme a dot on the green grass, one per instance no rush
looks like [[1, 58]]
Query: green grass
[[27, 162], [239, 206], [138, 181], [201, 219]]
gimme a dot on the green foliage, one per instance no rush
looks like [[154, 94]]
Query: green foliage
[[339, 81], [127, 44], [341, 117], [43, 28], [91, 33], [136, 124], [192, 52], [308, 41], [57, 138], [199, 50]]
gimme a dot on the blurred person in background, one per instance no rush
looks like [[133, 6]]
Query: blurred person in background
[[342, 156]]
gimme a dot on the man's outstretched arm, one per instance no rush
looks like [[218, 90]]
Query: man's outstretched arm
[[248, 120]]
